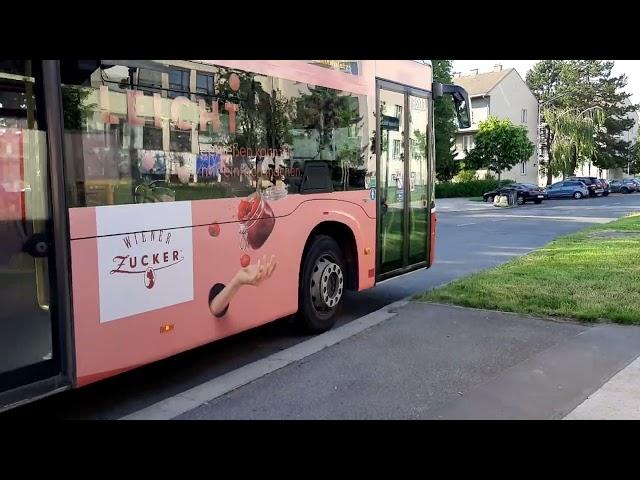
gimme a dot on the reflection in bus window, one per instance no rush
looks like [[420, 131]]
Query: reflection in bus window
[[203, 131], [25, 319], [419, 178]]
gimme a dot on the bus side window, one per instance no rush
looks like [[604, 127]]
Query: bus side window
[[294, 180], [316, 178]]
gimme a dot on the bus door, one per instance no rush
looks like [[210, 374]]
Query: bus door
[[30, 347], [403, 178]]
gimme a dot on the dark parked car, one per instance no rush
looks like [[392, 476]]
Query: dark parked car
[[592, 183], [623, 186], [605, 186], [526, 192], [566, 189]]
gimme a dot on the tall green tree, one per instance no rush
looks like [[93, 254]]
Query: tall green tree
[[575, 137], [633, 166], [544, 81], [499, 145], [577, 85], [445, 129], [592, 84]]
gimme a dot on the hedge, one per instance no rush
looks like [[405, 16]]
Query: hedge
[[474, 188]]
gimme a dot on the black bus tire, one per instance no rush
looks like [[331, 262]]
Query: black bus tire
[[322, 285]]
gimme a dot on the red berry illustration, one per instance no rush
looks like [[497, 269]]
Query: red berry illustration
[[214, 229], [245, 260]]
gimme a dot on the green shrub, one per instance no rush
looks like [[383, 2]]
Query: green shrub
[[474, 188], [465, 176]]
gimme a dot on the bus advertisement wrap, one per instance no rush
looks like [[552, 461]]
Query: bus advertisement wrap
[[142, 271]]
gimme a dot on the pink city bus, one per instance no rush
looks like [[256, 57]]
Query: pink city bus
[[150, 207]]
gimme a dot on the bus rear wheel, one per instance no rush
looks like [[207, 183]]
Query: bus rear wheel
[[322, 285]]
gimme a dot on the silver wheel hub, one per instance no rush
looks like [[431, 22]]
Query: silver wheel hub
[[327, 284]]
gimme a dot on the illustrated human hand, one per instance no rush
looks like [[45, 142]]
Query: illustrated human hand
[[249, 275], [257, 273]]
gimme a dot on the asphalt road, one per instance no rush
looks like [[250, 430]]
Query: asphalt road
[[471, 236]]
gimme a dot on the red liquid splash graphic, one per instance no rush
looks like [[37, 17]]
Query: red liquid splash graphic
[[256, 220], [149, 278]]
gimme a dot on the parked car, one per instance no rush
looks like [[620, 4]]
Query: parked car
[[526, 192], [567, 189], [605, 186], [623, 186], [637, 182], [592, 183]]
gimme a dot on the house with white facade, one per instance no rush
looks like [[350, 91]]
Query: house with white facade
[[504, 94]]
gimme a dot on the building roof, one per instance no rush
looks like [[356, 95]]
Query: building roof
[[482, 83]]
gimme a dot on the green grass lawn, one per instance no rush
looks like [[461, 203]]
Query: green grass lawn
[[593, 275]]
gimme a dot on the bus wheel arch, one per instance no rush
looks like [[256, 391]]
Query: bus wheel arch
[[327, 268], [345, 237]]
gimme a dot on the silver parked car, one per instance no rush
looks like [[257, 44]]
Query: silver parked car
[[567, 189], [623, 186]]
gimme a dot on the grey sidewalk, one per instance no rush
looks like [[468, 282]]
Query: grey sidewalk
[[436, 361], [460, 205], [618, 399]]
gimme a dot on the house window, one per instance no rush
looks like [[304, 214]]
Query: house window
[[149, 81], [178, 83], [204, 84], [396, 149], [399, 112], [523, 115], [523, 166], [467, 142]]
